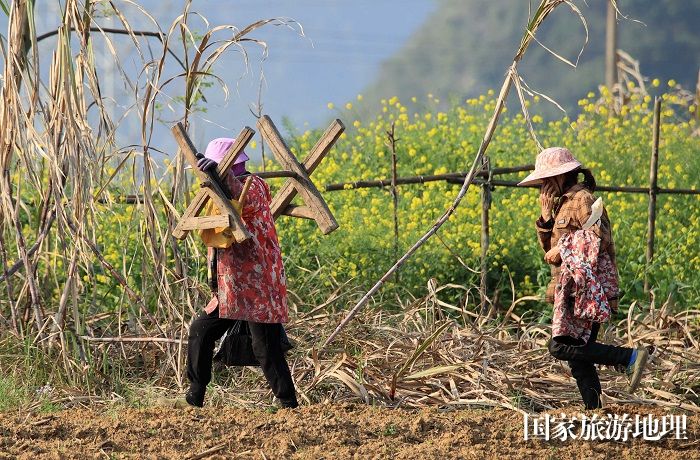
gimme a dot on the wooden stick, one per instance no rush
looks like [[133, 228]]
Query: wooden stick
[[234, 151], [191, 212], [275, 174], [394, 193], [303, 212], [244, 193], [451, 178], [187, 224], [490, 129], [132, 339], [653, 172], [485, 206], [287, 193], [599, 188], [207, 452], [302, 184], [611, 47], [240, 232], [458, 176]]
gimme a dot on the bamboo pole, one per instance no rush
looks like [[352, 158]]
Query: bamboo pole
[[457, 176], [485, 206], [599, 188], [450, 178], [486, 140], [697, 98], [144, 339], [611, 47], [653, 172], [394, 193]]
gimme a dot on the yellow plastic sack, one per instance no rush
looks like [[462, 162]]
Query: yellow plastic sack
[[219, 237]]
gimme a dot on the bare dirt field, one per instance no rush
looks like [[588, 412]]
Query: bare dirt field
[[318, 431]]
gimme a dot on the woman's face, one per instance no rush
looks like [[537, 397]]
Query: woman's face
[[555, 182], [238, 169]]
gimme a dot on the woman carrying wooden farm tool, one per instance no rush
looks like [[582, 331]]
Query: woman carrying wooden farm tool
[[250, 285], [574, 231]]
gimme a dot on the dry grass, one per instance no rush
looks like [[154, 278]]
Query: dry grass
[[57, 147], [433, 353], [419, 357]]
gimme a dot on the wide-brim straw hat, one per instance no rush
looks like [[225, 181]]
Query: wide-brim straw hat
[[551, 162]]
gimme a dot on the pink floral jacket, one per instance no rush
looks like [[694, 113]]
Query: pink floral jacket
[[587, 281]]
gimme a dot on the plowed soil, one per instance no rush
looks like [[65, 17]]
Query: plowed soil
[[319, 431]]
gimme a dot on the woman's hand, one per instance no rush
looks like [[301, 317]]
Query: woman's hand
[[553, 256], [547, 195], [614, 305], [204, 164]]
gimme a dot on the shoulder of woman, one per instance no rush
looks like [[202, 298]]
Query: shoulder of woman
[[262, 189], [259, 182], [583, 195]]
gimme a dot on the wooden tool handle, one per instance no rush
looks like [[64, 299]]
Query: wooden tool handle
[[244, 193]]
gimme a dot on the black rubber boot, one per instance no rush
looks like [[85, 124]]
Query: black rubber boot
[[288, 403], [195, 397]]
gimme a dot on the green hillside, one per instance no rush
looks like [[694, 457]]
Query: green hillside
[[465, 47]]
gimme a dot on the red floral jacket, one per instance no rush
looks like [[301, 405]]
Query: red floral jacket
[[252, 285]]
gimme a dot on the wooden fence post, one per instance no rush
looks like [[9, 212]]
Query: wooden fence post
[[485, 206], [653, 190], [394, 192], [697, 99], [611, 47]]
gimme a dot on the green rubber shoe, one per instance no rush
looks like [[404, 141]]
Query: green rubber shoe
[[171, 403], [636, 369]]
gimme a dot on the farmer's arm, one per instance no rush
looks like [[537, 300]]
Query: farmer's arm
[[544, 232], [545, 223]]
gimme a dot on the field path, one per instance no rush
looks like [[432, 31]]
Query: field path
[[319, 431]]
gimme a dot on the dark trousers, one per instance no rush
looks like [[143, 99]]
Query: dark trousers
[[582, 360], [265, 338]]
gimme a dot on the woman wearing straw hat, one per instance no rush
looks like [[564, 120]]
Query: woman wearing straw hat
[[250, 286], [575, 229]]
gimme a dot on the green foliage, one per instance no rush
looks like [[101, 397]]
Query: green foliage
[[431, 141], [12, 393], [29, 375]]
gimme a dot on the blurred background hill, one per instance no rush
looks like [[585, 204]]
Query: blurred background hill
[[464, 47]]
